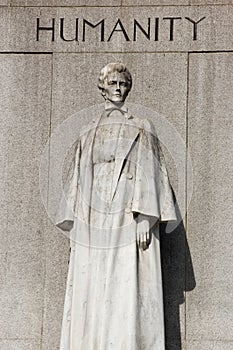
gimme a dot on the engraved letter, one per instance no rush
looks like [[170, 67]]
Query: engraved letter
[[157, 29], [119, 30], [93, 26], [138, 25], [195, 26], [171, 19], [38, 28], [62, 30]]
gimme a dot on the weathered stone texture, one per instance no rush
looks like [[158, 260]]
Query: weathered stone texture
[[18, 344], [65, 3], [57, 257], [25, 109], [114, 3], [154, 2], [209, 306], [210, 2], [106, 3], [210, 345]]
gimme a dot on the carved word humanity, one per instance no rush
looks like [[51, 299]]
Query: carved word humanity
[[82, 29]]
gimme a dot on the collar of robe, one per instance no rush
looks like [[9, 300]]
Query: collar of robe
[[110, 107]]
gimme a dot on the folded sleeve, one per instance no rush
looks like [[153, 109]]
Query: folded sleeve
[[65, 213], [153, 195]]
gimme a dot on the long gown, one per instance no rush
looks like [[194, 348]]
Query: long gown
[[114, 289]]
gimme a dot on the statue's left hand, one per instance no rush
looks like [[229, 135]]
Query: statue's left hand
[[144, 240], [143, 231]]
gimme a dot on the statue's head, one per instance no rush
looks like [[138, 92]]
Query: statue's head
[[115, 82]]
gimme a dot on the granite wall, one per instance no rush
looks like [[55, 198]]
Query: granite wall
[[180, 54]]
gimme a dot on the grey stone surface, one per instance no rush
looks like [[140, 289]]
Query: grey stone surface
[[210, 345], [18, 28], [57, 257], [154, 2], [114, 3], [210, 2], [25, 83], [68, 3], [18, 344], [4, 2], [209, 306]]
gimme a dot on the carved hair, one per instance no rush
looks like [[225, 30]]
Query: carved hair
[[114, 67]]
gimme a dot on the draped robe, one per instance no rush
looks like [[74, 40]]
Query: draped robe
[[114, 289]]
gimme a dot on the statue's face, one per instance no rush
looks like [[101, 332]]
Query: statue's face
[[116, 87]]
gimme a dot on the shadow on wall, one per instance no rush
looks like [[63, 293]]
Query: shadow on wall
[[178, 277]]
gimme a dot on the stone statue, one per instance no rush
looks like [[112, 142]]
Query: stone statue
[[116, 194]]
